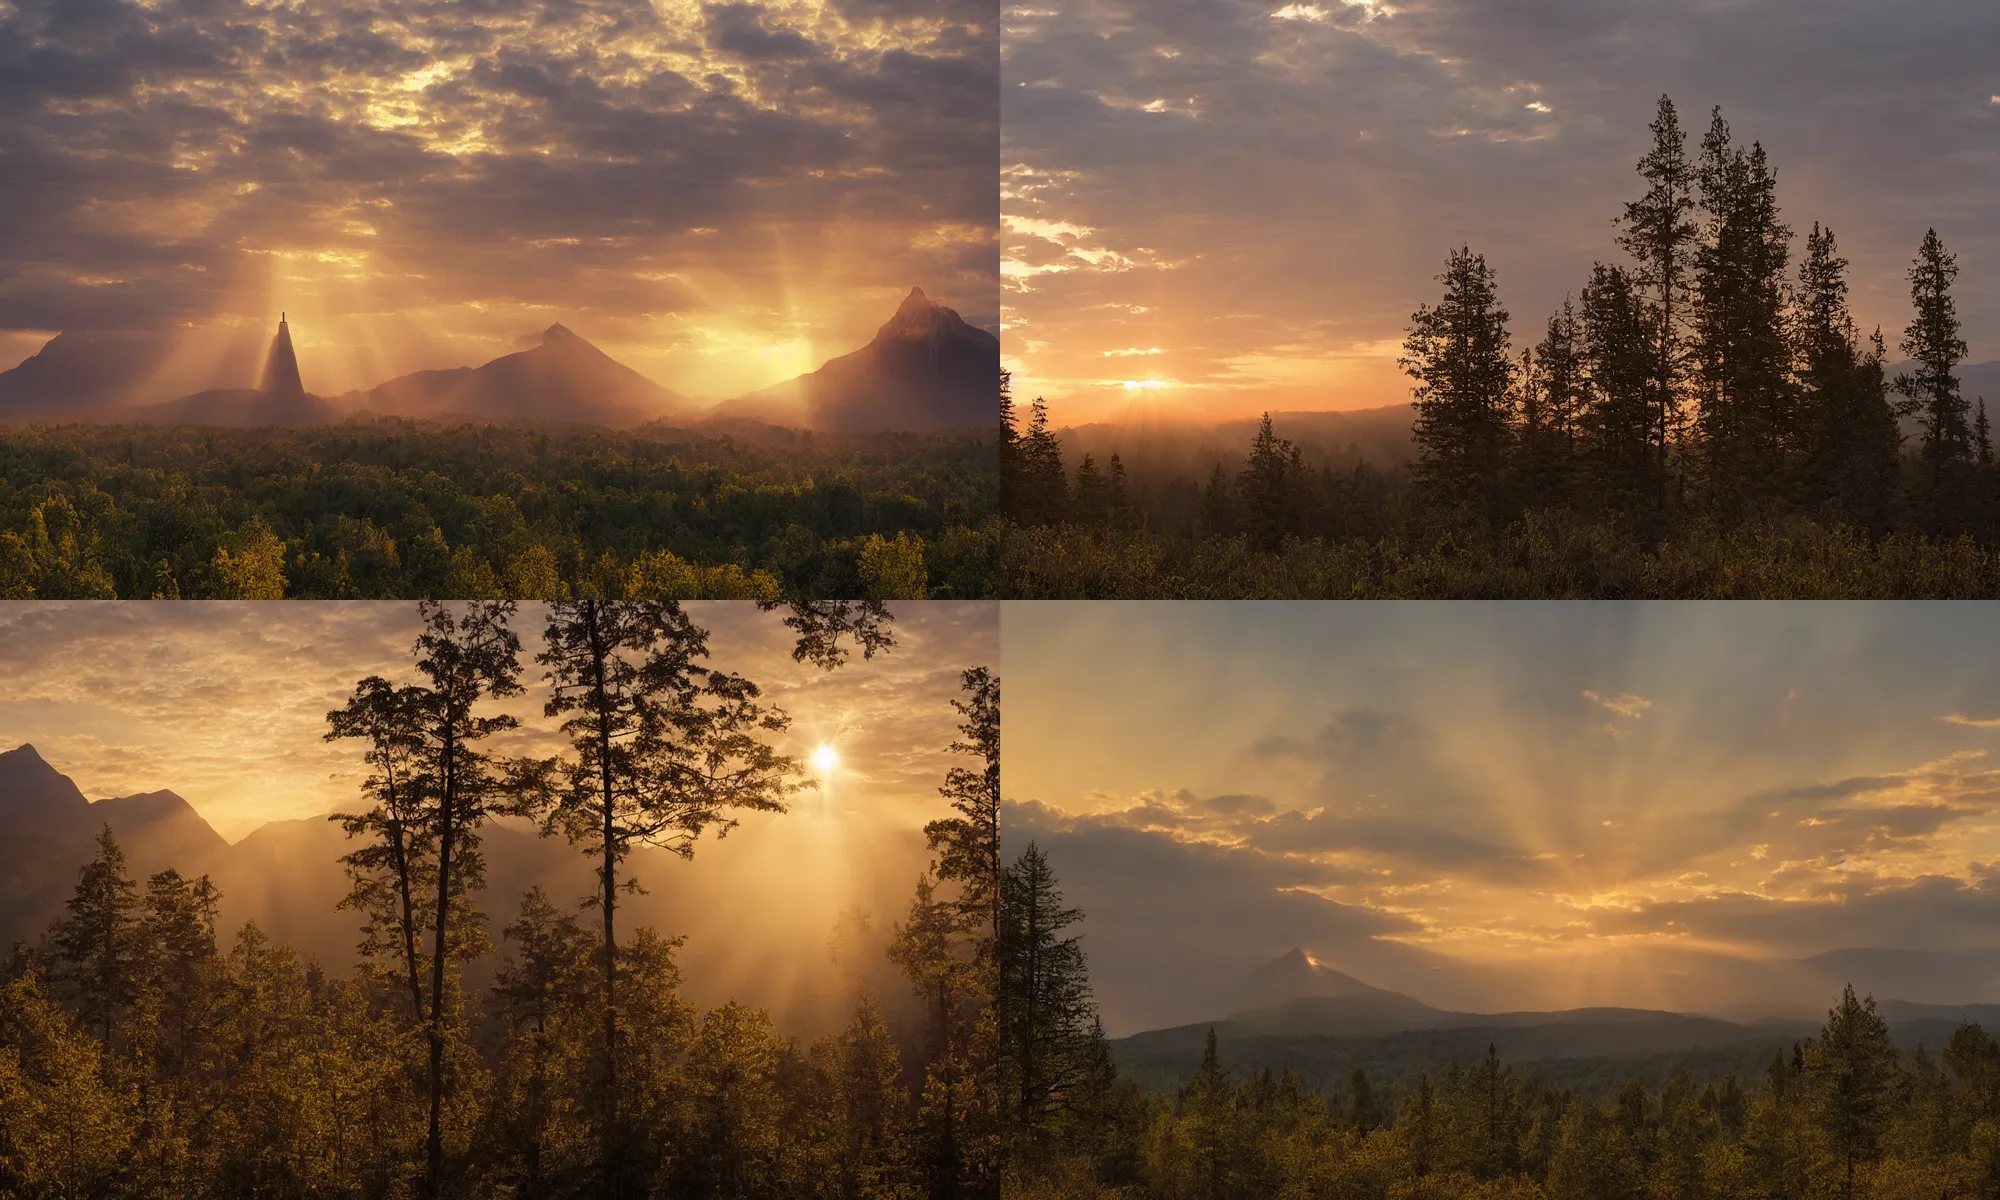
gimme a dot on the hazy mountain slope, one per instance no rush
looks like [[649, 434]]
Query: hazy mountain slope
[[925, 369], [564, 379]]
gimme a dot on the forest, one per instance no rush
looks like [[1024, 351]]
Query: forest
[[142, 1054], [399, 509], [1844, 1115], [1702, 419]]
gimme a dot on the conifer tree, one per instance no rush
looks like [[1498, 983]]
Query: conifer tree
[[1741, 356], [95, 948], [1930, 388], [1045, 1012], [1659, 232], [1849, 439], [1620, 466], [1457, 352], [1852, 1070], [665, 748], [1553, 404], [1267, 487]]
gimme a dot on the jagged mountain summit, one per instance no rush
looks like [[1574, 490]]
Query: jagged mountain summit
[[564, 379], [925, 369]]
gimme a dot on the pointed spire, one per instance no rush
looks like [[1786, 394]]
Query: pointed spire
[[281, 367]]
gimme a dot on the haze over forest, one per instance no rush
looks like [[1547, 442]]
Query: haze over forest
[[211, 716]]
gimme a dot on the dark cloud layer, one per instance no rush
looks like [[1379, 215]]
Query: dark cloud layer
[[1247, 198], [700, 178]]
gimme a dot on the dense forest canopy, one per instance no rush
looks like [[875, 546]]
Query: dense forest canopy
[[1841, 1115], [398, 509], [144, 1054], [1702, 418]]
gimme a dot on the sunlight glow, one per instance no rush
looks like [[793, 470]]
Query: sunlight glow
[[826, 758]]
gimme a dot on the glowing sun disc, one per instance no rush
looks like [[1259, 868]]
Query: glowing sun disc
[[826, 758]]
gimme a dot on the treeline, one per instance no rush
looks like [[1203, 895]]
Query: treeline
[[1842, 1115], [139, 1057], [394, 509], [1700, 398]]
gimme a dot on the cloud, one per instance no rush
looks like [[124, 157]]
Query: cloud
[[1624, 704], [1304, 167], [1972, 722], [685, 180]]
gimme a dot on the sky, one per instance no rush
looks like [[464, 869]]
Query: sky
[[1216, 207], [225, 704], [720, 195], [1494, 806]]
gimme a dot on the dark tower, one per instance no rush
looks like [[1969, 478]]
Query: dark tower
[[281, 368]]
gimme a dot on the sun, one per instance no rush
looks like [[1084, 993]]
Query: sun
[[826, 758]]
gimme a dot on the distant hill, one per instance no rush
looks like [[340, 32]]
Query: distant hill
[[1322, 1023], [563, 380], [925, 369], [83, 370], [1379, 437]]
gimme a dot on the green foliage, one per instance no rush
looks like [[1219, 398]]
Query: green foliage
[[402, 509]]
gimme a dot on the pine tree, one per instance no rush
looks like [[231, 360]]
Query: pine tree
[[1045, 1012], [1852, 1071], [1553, 403], [1930, 389], [464, 658], [1660, 233], [1741, 357], [664, 749], [1849, 438], [1040, 494], [543, 992], [1267, 487], [1457, 352], [1620, 468], [95, 947]]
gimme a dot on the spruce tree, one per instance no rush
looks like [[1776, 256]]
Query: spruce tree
[[1620, 470], [1267, 487], [1852, 1071], [1660, 233], [1849, 442], [1458, 354], [94, 944], [1553, 403], [1930, 388], [1044, 1005], [1744, 425]]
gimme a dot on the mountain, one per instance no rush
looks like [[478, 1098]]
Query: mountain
[[564, 379], [1320, 1023], [925, 369], [233, 406], [84, 369]]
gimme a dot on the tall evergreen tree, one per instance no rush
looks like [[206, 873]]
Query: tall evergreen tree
[[94, 945], [1553, 405], [1620, 468], [1268, 487], [1930, 388], [1852, 1070], [1457, 352], [1046, 1017], [1660, 233], [665, 748], [1742, 359], [1849, 440]]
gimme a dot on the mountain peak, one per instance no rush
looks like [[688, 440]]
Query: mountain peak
[[916, 301], [281, 367], [23, 754], [557, 333]]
